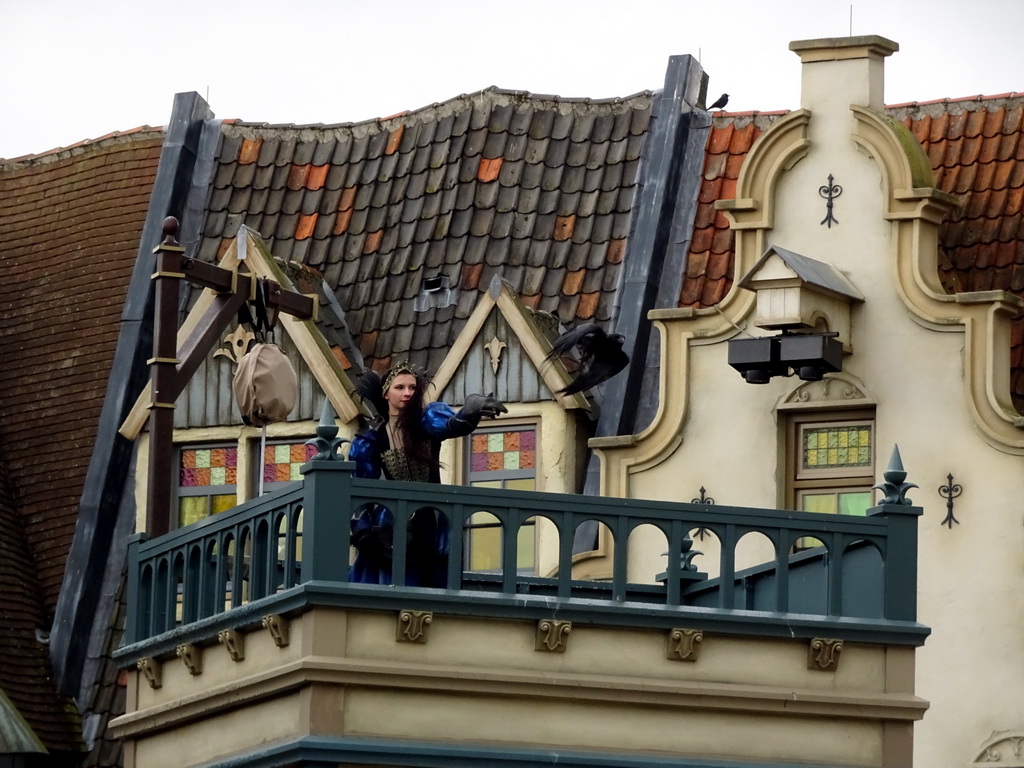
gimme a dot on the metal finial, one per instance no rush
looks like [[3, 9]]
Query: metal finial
[[170, 231], [894, 487], [327, 442]]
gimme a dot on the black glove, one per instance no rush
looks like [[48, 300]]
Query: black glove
[[485, 406]]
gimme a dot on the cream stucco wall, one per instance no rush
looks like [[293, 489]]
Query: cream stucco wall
[[914, 368]]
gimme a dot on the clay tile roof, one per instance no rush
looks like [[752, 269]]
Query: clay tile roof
[[977, 152], [495, 182]]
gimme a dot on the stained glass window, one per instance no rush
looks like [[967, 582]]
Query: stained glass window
[[501, 458], [837, 446], [207, 477], [281, 463]]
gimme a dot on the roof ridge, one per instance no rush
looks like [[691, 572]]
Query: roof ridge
[[978, 98], [490, 91], [58, 153]]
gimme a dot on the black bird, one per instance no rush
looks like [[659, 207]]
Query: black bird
[[720, 104], [601, 355]]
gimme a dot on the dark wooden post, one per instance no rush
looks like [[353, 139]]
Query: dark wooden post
[[163, 367], [900, 559]]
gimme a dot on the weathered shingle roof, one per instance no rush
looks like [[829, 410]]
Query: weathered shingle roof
[[69, 232], [976, 149], [536, 189]]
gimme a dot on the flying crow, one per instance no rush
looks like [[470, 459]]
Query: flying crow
[[720, 104], [601, 355]]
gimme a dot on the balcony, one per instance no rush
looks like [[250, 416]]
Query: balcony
[[268, 580]]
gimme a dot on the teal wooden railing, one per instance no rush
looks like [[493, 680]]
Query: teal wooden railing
[[286, 549]]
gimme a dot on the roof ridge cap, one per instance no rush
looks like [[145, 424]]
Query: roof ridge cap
[[58, 153]]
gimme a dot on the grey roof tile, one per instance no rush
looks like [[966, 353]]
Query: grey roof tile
[[215, 223], [403, 333], [640, 119], [582, 127], [268, 150], [335, 179], [532, 175], [486, 194], [528, 199], [317, 253], [357, 224], [544, 226], [515, 148], [624, 199], [370, 169], [410, 137], [280, 176], [299, 251], [596, 257], [597, 155], [548, 202], [208, 249], [399, 189], [578, 153], [403, 165], [539, 250], [239, 200], [411, 210], [225, 173], [324, 151], [232, 225], [556, 153], [510, 173], [519, 250], [435, 178], [612, 178], [457, 248], [378, 143], [354, 251], [500, 117], [424, 229], [304, 150], [283, 249], [634, 146], [567, 306], [602, 130], [428, 129], [420, 335], [475, 140], [438, 155], [286, 226], [552, 177], [592, 179], [388, 164], [577, 257], [523, 224], [558, 256], [541, 123], [263, 176], [616, 152], [292, 201], [443, 131], [381, 194], [476, 249], [329, 200], [456, 146], [497, 251], [461, 220], [220, 198], [389, 315], [360, 143], [417, 258], [462, 117], [286, 151], [342, 151], [606, 201], [494, 145], [482, 220], [552, 284], [533, 278], [519, 122], [375, 219], [620, 127], [568, 203], [513, 274], [441, 226], [417, 185], [323, 227], [508, 196], [468, 169], [431, 205], [230, 145], [400, 260], [620, 225], [481, 114], [465, 196], [562, 126], [406, 233], [602, 227], [536, 150], [582, 228]]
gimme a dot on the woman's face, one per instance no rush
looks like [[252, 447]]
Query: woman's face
[[400, 393]]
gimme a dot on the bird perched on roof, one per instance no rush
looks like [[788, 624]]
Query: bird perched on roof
[[720, 103], [601, 355]]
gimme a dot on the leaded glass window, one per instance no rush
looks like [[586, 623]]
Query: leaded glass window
[[207, 478], [281, 463], [831, 461], [500, 458]]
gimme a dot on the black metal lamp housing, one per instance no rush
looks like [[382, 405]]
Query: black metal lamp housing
[[809, 355]]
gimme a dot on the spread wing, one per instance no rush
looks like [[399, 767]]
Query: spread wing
[[601, 356]]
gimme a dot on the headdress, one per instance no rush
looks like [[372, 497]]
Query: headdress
[[397, 370]]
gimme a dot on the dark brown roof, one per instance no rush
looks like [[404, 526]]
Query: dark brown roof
[[25, 674], [536, 189], [69, 233], [976, 149]]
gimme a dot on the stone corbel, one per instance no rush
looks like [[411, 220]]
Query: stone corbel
[[684, 644], [278, 627], [823, 654], [192, 656], [234, 642], [413, 626], [152, 670], [552, 635]]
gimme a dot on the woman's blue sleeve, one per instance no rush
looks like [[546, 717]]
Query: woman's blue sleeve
[[441, 422], [364, 453]]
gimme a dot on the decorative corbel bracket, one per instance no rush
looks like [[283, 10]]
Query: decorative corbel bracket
[[413, 626], [684, 644], [152, 670], [823, 654], [552, 635], [234, 642], [192, 656], [277, 625]]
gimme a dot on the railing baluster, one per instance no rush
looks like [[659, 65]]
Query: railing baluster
[[400, 540], [620, 560], [781, 570], [456, 546], [566, 535], [835, 574], [728, 568], [509, 550], [672, 572]]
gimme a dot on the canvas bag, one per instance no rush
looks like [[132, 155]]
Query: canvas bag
[[265, 385]]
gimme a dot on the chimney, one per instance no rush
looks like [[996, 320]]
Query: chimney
[[840, 71]]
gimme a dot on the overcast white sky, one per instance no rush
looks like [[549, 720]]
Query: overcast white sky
[[73, 70]]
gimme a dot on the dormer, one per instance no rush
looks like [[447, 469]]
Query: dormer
[[798, 293]]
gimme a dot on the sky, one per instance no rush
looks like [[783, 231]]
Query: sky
[[71, 71]]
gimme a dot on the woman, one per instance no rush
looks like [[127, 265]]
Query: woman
[[405, 444]]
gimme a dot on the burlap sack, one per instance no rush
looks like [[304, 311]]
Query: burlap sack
[[265, 385]]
